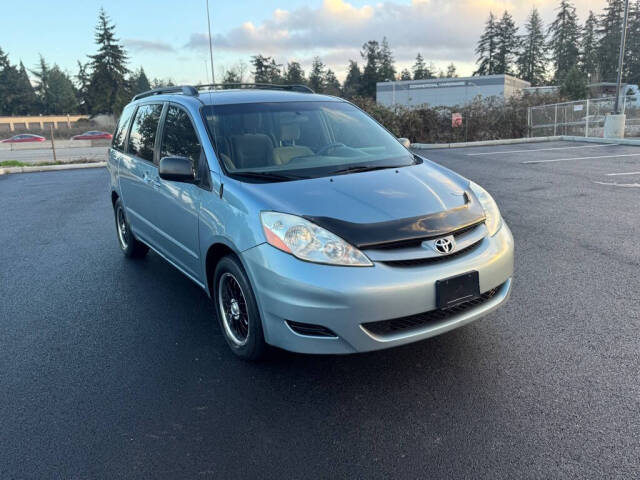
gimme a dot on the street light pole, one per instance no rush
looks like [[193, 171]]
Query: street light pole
[[213, 78], [623, 39]]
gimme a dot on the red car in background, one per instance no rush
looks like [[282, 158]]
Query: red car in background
[[23, 138], [93, 135]]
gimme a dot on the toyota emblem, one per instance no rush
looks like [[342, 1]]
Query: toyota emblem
[[444, 245]]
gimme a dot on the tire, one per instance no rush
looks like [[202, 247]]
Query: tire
[[237, 310], [130, 246]]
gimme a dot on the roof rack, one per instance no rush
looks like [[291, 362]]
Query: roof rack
[[258, 86], [193, 91], [184, 89]]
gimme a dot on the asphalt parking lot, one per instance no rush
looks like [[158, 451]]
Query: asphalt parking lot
[[111, 368]]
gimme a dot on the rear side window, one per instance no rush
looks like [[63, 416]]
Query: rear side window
[[179, 138], [143, 131], [123, 126]]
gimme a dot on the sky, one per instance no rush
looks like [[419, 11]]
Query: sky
[[169, 38]]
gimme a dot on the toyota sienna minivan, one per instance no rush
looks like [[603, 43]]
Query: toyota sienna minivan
[[308, 224]]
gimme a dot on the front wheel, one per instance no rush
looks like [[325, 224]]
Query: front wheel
[[237, 310], [131, 247]]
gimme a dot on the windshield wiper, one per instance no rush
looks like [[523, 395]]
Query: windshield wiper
[[278, 177], [363, 168]]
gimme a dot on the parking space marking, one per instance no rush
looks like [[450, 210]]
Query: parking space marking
[[615, 184], [623, 173], [539, 149], [581, 158]]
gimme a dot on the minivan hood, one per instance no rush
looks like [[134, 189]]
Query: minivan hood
[[367, 197]]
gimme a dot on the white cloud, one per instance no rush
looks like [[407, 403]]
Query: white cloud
[[442, 30]]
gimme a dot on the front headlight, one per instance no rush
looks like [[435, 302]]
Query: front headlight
[[494, 219], [307, 241]]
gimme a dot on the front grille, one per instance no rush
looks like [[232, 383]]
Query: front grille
[[310, 330], [417, 242], [388, 327], [414, 262]]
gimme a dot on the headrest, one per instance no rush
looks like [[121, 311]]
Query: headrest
[[251, 122], [289, 132]]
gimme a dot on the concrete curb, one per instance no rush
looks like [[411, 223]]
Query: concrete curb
[[483, 143], [51, 168], [510, 141]]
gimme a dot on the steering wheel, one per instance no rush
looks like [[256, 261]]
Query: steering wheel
[[330, 146]]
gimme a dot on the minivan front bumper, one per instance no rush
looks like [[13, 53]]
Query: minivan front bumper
[[342, 299]]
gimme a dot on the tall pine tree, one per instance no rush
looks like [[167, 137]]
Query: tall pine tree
[[370, 76], [26, 100], [589, 47], [609, 31], [632, 64], [487, 48], [351, 86], [386, 70], [507, 44], [107, 91], [294, 74], [532, 60], [317, 75], [564, 40]]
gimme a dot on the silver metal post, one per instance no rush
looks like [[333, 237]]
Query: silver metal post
[[555, 122], [623, 39], [586, 126]]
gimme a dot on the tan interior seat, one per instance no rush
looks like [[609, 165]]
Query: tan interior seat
[[289, 134]]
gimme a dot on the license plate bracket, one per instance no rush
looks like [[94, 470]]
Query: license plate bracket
[[455, 290]]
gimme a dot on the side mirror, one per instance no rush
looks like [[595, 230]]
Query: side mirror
[[405, 142], [177, 169]]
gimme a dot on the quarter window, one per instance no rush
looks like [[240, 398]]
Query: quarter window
[[121, 130], [143, 132], [180, 138]]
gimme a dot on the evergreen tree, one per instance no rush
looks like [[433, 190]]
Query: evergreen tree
[[532, 59], [9, 84], [564, 40], [107, 91], [139, 82], [386, 70], [405, 74], [589, 47], [351, 86], [507, 44], [487, 48], [231, 76], [317, 75], [83, 79], [371, 74], [294, 74], [331, 83], [632, 62], [62, 93], [574, 85], [452, 71], [43, 85], [26, 101], [419, 68], [266, 70], [609, 32]]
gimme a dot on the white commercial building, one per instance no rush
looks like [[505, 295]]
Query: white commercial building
[[447, 92]]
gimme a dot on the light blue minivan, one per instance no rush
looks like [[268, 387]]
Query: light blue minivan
[[309, 225]]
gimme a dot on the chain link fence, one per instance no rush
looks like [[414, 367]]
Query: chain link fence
[[582, 118]]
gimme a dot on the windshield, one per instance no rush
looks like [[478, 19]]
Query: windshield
[[292, 140]]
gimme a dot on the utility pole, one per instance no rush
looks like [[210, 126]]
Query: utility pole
[[623, 40], [210, 44]]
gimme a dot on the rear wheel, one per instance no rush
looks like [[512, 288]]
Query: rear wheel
[[131, 247], [237, 310]]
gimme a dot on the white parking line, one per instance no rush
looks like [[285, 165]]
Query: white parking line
[[623, 173], [614, 184], [583, 158], [538, 150]]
